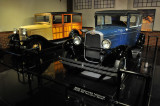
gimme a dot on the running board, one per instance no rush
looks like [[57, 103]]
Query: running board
[[59, 42]]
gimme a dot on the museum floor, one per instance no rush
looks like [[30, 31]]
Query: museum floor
[[13, 93]]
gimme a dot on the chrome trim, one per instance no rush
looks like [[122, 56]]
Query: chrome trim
[[15, 31], [21, 36], [79, 39], [108, 41], [93, 32]]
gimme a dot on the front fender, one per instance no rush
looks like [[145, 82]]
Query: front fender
[[75, 50], [39, 38], [115, 54], [14, 36], [68, 45]]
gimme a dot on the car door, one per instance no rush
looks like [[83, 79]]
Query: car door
[[57, 27], [67, 25], [77, 22], [133, 29], [123, 30]]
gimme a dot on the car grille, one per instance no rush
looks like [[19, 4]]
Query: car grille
[[92, 40], [92, 45]]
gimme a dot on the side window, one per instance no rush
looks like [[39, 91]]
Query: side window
[[57, 19], [108, 20], [133, 21], [67, 18], [76, 18], [100, 20], [123, 21]]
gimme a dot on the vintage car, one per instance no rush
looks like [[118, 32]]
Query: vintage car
[[51, 26], [109, 54], [117, 35]]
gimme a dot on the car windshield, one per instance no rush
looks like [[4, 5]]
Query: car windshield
[[76, 18], [116, 20], [42, 18]]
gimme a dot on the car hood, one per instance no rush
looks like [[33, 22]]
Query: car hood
[[37, 26], [111, 30]]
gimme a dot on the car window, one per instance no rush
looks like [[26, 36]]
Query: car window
[[119, 20], [108, 20], [123, 19], [76, 18], [100, 20], [57, 19], [67, 18], [42, 18], [133, 21], [115, 20]]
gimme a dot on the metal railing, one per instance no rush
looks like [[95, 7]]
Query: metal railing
[[32, 71]]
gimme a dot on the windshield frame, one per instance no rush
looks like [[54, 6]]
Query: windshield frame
[[42, 14], [96, 19]]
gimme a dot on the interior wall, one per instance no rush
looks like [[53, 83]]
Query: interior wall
[[16, 13], [88, 14], [157, 14]]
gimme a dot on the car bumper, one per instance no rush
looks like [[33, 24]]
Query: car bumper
[[90, 67]]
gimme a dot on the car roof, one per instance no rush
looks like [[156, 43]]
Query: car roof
[[57, 13], [124, 12]]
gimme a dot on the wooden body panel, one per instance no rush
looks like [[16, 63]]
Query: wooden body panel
[[63, 30], [67, 29], [57, 31]]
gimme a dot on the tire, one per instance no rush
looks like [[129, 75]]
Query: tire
[[122, 65], [139, 60], [31, 58], [35, 44], [14, 45], [67, 54]]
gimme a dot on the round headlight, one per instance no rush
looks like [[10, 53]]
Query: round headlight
[[106, 44], [77, 40], [15, 31], [24, 32]]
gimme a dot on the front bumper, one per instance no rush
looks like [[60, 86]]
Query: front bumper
[[90, 67], [18, 44]]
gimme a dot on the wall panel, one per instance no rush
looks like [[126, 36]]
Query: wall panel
[[16, 13]]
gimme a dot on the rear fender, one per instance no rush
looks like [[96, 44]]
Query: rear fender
[[140, 41]]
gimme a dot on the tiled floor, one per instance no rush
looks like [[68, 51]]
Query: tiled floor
[[13, 93]]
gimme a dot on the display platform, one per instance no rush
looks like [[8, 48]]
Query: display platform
[[83, 87]]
